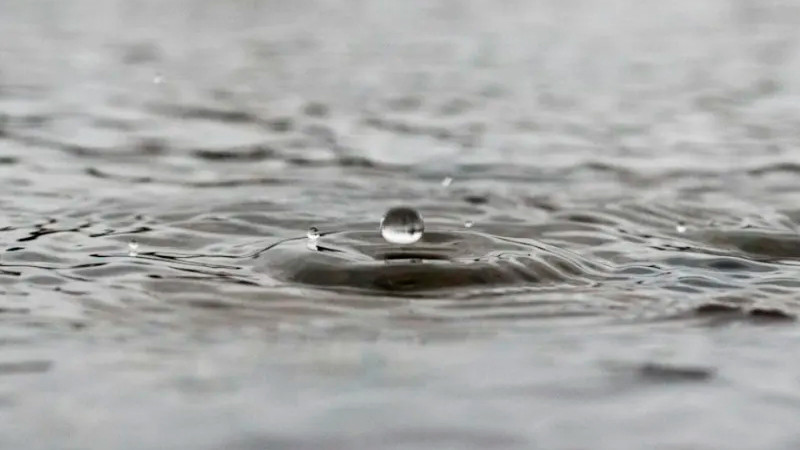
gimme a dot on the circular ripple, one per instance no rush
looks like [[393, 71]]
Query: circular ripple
[[440, 260]]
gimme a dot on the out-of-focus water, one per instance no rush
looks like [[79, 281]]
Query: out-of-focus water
[[610, 193]]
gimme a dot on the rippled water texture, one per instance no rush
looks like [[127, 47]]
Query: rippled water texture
[[610, 192]]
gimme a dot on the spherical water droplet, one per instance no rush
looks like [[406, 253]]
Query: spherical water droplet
[[469, 224], [447, 181], [133, 248], [402, 225], [680, 227]]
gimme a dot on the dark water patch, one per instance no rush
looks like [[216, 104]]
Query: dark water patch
[[254, 154], [404, 104], [476, 199], [12, 273], [715, 309], [256, 181], [668, 373], [726, 310], [724, 264], [399, 437], [279, 124], [316, 109], [778, 167], [455, 106], [25, 367], [758, 243], [98, 173], [636, 271], [151, 146], [355, 161], [139, 53], [304, 162], [205, 113], [770, 315], [43, 231], [45, 280], [14, 310], [731, 264]]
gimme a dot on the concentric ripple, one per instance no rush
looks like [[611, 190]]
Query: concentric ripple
[[362, 260]]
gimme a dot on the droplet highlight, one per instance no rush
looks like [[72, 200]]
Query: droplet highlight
[[313, 236], [469, 224], [133, 248], [402, 225], [447, 181], [680, 227]]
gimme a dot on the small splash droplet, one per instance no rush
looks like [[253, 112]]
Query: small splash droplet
[[469, 224], [133, 248], [158, 79], [402, 225], [447, 181], [313, 237], [680, 227]]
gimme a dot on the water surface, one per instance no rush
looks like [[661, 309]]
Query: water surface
[[610, 193]]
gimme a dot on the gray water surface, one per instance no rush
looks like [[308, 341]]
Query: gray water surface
[[629, 169]]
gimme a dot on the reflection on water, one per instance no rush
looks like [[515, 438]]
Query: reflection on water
[[192, 250]]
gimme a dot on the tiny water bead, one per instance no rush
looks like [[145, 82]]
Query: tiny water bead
[[680, 227], [313, 237], [133, 248], [402, 225], [469, 224], [447, 181]]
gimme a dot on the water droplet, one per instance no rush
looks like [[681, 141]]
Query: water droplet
[[469, 224], [158, 79], [680, 227], [447, 181], [402, 225], [133, 248], [313, 237]]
